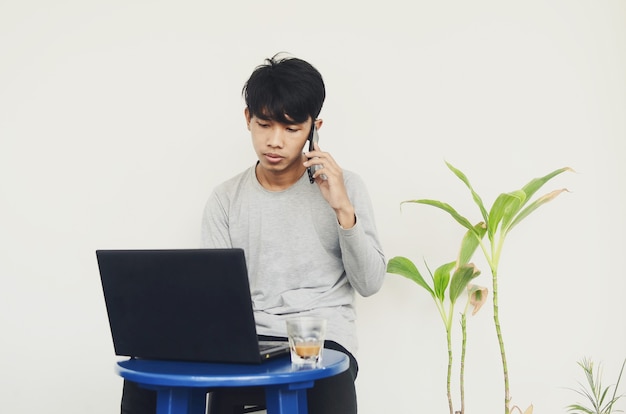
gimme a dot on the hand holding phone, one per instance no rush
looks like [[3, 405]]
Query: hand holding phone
[[313, 138]]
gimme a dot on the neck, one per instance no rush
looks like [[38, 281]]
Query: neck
[[278, 180]]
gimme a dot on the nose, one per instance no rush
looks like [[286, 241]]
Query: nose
[[275, 138]]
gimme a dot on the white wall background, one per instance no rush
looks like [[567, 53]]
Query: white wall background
[[117, 118]]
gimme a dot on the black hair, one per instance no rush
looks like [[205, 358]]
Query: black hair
[[287, 90]]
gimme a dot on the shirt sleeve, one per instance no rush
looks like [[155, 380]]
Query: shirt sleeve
[[215, 232], [362, 254]]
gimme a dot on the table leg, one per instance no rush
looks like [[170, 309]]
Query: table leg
[[287, 399], [181, 401]]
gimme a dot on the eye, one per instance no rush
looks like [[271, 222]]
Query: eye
[[263, 124], [293, 129]]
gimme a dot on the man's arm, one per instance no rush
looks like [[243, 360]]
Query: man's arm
[[214, 233], [361, 251]]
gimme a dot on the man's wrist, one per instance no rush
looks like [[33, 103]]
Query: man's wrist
[[346, 218]]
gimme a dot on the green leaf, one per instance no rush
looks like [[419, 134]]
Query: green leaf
[[461, 277], [470, 243], [534, 206], [536, 183], [442, 278], [447, 208], [594, 392], [475, 196], [575, 408], [404, 267], [514, 208], [505, 205]]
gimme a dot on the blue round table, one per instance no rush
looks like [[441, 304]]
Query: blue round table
[[182, 386]]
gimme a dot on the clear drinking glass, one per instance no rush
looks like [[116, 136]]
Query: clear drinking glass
[[306, 340]]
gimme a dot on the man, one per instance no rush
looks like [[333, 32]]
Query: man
[[310, 240]]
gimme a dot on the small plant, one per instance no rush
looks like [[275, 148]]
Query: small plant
[[448, 282], [507, 211], [594, 393]]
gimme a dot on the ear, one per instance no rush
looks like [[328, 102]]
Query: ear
[[246, 113], [318, 123]]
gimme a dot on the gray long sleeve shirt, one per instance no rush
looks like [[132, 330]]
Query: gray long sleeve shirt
[[300, 261]]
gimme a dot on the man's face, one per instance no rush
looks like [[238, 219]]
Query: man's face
[[278, 146]]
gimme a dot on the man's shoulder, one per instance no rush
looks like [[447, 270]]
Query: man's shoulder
[[351, 178], [236, 182], [347, 174]]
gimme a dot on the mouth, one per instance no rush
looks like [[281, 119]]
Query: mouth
[[273, 158]]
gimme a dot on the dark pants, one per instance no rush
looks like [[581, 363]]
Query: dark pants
[[334, 395]]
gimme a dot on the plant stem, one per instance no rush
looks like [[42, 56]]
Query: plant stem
[[449, 339], [463, 343], [493, 259], [496, 320]]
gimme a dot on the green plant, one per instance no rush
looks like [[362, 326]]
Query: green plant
[[507, 211], [448, 282], [594, 392]]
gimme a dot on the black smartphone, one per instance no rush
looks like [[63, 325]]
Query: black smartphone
[[313, 138]]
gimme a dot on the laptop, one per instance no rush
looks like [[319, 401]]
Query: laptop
[[182, 305]]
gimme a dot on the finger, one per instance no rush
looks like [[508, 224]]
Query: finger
[[315, 152], [324, 156]]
